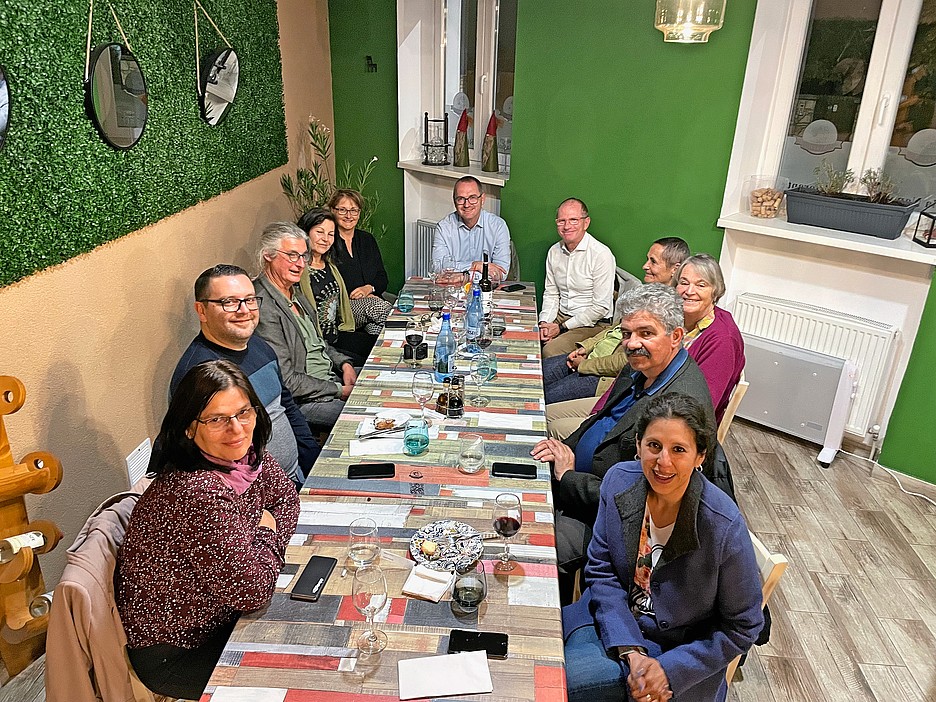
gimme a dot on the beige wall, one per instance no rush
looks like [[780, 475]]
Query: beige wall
[[95, 339]]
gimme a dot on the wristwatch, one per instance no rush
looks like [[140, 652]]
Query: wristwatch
[[623, 651]]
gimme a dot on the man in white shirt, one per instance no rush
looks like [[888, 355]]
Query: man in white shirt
[[470, 231], [578, 298]]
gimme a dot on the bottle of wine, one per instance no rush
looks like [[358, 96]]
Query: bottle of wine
[[487, 290], [11, 545], [443, 359]]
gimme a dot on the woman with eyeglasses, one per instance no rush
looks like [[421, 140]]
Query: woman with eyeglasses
[[324, 285], [207, 539]]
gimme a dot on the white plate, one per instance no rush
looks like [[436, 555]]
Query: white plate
[[460, 545], [369, 424]]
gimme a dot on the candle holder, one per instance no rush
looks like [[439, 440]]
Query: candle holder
[[435, 141], [925, 232]]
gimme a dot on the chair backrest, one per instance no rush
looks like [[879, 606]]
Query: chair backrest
[[732, 408], [623, 281], [772, 566], [513, 273]]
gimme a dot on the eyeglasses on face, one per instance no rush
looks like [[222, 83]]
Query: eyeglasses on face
[[353, 211], [471, 199], [572, 221], [218, 424], [233, 304], [294, 256]]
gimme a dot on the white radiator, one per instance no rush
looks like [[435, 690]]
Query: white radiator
[[419, 248], [869, 344]]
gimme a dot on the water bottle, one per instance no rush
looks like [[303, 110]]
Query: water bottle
[[444, 357], [473, 317]]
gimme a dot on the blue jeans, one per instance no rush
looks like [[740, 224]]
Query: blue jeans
[[561, 383], [592, 675]]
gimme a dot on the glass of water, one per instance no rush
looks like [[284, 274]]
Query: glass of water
[[416, 437], [470, 587], [405, 301], [470, 453], [365, 544]]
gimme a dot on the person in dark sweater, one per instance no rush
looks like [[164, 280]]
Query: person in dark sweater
[[229, 310], [207, 540]]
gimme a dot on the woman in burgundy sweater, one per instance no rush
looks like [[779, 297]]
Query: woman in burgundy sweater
[[207, 539], [712, 337]]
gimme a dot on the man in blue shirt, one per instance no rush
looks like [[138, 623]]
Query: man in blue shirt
[[229, 310], [470, 231], [652, 326]]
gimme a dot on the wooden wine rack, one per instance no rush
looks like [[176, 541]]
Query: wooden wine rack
[[22, 636]]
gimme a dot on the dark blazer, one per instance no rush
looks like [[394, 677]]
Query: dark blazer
[[278, 326], [577, 493], [706, 587], [366, 267]]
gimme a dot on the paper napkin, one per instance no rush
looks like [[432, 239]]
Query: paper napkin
[[440, 676], [427, 584]]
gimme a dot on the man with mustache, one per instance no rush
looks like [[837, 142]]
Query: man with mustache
[[652, 326]]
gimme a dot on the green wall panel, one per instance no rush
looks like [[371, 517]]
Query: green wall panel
[[365, 105], [62, 190], [638, 129]]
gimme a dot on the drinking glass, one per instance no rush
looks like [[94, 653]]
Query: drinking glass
[[423, 389], [470, 453], [480, 373], [364, 542], [416, 437], [451, 297], [436, 300], [448, 265], [436, 270], [405, 301], [498, 324], [508, 518], [369, 595], [414, 337], [485, 335], [470, 587]]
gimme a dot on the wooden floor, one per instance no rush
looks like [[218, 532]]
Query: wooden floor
[[854, 617]]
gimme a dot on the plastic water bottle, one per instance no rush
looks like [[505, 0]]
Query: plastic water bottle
[[444, 355], [473, 317]]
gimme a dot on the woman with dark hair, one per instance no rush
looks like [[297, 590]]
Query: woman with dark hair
[[207, 539], [673, 589], [323, 285], [358, 258]]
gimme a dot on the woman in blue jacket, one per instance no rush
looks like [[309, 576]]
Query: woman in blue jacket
[[674, 592]]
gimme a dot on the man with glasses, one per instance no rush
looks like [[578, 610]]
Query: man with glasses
[[579, 292], [229, 310], [470, 231]]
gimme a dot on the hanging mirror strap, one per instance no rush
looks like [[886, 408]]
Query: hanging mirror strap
[[196, 5], [88, 44]]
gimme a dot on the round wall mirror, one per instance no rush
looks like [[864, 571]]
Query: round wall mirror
[[219, 77], [116, 97], [4, 106]]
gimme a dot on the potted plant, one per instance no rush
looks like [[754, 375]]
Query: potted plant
[[825, 204]]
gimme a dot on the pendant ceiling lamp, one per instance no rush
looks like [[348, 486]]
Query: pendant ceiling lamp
[[689, 21]]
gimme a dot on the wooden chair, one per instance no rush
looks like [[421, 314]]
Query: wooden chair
[[736, 396], [772, 566]]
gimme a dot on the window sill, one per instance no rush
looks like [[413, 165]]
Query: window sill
[[497, 179], [902, 248]]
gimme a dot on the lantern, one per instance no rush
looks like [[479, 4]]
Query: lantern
[[689, 21]]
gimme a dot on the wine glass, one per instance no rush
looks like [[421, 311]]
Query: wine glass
[[448, 265], [485, 334], [436, 271], [480, 373], [451, 297], [470, 587], [364, 542], [414, 337], [436, 300], [423, 389], [508, 518], [369, 595], [471, 453]]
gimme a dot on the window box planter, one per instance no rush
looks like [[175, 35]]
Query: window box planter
[[847, 212]]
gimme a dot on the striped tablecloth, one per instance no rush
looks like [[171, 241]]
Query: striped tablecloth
[[294, 651]]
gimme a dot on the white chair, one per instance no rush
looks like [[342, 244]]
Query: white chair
[[732, 408], [772, 566]]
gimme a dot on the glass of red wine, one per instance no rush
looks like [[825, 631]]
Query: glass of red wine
[[414, 337], [508, 517]]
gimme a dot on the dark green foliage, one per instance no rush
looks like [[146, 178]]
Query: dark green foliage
[[63, 191]]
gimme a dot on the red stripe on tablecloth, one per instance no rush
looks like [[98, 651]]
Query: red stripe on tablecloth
[[549, 683], [348, 613], [256, 659], [532, 570], [534, 497], [541, 540]]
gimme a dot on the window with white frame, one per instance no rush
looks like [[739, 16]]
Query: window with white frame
[[478, 74], [849, 81]]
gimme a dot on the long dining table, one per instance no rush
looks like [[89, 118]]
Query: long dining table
[[295, 651]]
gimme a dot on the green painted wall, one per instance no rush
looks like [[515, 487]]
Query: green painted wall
[[638, 129], [910, 444], [365, 105]]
